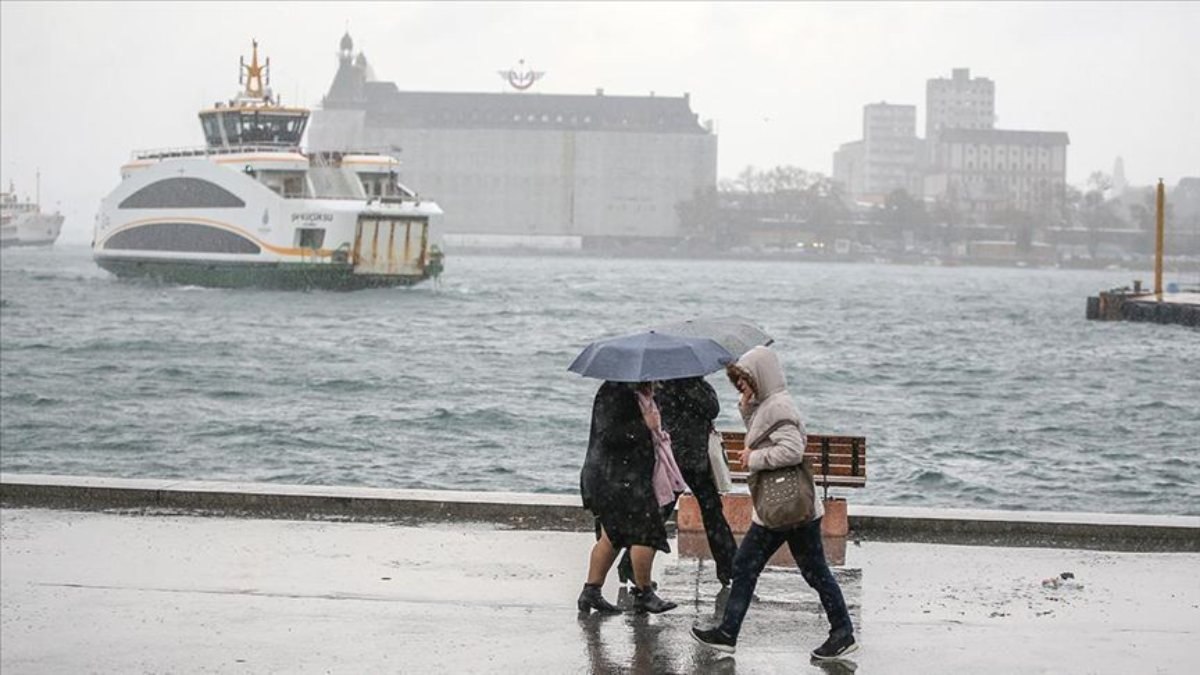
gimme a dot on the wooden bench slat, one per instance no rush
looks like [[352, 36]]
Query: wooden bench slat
[[834, 457], [834, 469], [737, 440], [831, 481], [837, 461]]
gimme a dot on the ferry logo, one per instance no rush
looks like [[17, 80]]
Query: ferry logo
[[521, 77]]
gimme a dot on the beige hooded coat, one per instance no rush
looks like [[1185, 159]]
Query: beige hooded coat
[[774, 445]]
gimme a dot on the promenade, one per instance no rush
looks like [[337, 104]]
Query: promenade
[[144, 591]]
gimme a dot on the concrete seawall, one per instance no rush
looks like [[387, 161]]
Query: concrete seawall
[[564, 512]]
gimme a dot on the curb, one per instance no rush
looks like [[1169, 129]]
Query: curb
[[530, 511]]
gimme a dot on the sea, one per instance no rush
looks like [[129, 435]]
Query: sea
[[975, 387]]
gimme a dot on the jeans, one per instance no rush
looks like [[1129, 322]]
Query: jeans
[[757, 547]]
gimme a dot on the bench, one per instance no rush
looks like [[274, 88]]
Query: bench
[[836, 461]]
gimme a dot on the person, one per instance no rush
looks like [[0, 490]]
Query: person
[[625, 482], [774, 439], [689, 407]]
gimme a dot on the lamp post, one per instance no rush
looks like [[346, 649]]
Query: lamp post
[[1159, 200]]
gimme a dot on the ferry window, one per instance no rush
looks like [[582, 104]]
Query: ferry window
[[182, 193], [310, 237], [189, 237], [231, 127], [212, 130]]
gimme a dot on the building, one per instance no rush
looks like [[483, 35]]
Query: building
[[959, 102], [890, 147], [981, 171], [984, 172], [887, 156], [509, 168], [849, 168]]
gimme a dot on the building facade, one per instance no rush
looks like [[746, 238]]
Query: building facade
[[886, 158], [849, 168], [890, 148], [508, 167], [959, 102], [984, 172]]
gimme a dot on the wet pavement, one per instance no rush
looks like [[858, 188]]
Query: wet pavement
[[104, 592]]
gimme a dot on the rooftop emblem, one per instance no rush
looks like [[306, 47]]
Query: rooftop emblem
[[521, 77]]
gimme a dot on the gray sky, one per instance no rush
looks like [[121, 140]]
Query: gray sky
[[82, 85]]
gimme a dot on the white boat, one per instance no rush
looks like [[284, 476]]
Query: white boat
[[22, 222], [251, 208]]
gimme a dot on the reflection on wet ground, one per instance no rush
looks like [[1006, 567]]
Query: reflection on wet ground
[[99, 592]]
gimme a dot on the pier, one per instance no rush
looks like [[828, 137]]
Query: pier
[[1123, 304], [1173, 306]]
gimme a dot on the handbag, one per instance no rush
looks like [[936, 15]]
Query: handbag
[[783, 497], [720, 465]]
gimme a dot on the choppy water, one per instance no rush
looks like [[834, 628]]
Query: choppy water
[[975, 387]]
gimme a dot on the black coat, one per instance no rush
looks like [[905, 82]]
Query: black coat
[[688, 408], [616, 482]]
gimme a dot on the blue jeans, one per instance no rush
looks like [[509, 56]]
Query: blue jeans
[[757, 548]]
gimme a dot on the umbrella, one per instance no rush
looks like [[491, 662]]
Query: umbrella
[[642, 357], [734, 333]]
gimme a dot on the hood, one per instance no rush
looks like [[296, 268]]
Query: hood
[[763, 366]]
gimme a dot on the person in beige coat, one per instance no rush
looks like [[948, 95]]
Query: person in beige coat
[[775, 438]]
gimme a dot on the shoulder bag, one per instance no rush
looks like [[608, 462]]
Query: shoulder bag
[[783, 498], [719, 463]]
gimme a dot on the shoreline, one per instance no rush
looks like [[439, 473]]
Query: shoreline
[[531, 511]]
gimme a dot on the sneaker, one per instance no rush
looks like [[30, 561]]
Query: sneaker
[[835, 647], [715, 638]]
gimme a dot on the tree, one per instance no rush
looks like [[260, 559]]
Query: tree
[[901, 210]]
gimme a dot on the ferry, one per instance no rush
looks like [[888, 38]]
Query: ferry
[[251, 208], [22, 222]]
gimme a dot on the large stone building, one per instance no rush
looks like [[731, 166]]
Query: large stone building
[[984, 172], [525, 168]]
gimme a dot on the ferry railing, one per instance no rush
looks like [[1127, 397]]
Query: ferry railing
[[164, 153]]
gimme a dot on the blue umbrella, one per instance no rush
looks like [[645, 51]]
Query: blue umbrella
[[642, 357]]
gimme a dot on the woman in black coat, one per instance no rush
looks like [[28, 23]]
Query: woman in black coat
[[616, 484], [689, 407]]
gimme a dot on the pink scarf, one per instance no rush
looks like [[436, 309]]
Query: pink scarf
[[668, 480]]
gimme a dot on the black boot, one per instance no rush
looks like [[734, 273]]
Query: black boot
[[646, 600], [625, 568], [590, 598]]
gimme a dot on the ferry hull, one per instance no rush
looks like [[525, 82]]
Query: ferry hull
[[13, 243], [269, 275], [39, 229]]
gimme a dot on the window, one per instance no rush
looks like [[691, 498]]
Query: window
[[184, 237], [310, 237], [182, 193], [212, 129]]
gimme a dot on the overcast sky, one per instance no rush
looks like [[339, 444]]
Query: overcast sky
[[84, 84]]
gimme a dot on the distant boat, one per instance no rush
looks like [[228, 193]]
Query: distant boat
[[22, 222], [252, 209]]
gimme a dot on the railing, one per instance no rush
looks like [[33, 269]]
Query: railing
[[164, 153], [200, 151]]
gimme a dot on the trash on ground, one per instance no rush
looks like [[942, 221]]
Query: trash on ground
[[1063, 580]]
